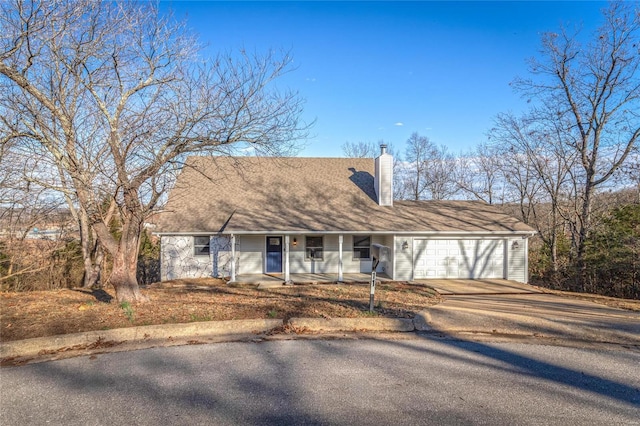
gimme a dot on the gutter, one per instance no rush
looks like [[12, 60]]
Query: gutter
[[524, 234]]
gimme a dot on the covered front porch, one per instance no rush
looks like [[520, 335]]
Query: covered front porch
[[298, 258], [270, 280]]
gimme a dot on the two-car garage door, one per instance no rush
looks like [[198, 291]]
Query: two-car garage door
[[470, 258]]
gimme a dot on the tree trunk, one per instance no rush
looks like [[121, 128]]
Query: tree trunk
[[93, 268], [554, 237], [123, 275], [92, 253], [583, 233]]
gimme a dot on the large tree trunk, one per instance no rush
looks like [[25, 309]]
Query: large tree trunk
[[124, 250], [123, 275]]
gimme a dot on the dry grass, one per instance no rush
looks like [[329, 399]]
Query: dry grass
[[614, 302], [46, 313]]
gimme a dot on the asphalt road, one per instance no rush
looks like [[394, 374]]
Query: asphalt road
[[419, 380]]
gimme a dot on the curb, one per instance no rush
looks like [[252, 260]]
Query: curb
[[353, 324], [148, 333], [154, 334]]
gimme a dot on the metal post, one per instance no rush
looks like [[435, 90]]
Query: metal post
[[233, 258], [372, 287]]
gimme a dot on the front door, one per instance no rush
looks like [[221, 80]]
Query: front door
[[274, 254]]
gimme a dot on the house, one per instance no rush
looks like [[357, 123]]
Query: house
[[263, 215]]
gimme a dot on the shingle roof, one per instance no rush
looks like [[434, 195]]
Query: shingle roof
[[266, 194]]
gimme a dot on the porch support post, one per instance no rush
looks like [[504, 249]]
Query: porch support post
[[340, 275], [287, 278], [233, 258]]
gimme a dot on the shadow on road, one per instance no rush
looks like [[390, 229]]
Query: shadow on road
[[287, 382]]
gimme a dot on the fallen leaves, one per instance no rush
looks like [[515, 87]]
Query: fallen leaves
[[47, 313]]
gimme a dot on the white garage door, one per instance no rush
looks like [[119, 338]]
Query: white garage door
[[458, 258]]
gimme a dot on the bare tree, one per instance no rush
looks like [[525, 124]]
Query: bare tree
[[631, 172], [417, 152], [593, 94], [429, 171], [118, 97], [540, 168], [440, 174], [479, 174], [33, 224], [360, 149]]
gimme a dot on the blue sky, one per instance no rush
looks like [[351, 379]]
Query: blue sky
[[373, 71]]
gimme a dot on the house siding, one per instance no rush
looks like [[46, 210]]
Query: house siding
[[178, 259], [329, 263], [251, 254], [516, 260], [403, 270], [389, 241]]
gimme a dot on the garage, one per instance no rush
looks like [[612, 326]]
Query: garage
[[459, 258]]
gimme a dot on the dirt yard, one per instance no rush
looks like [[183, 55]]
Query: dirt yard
[[46, 313]]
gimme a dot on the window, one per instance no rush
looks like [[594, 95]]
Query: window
[[314, 248], [361, 247], [201, 246]]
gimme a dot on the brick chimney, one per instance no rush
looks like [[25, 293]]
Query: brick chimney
[[383, 180]]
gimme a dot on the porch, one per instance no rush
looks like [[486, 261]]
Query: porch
[[297, 258], [274, 280]]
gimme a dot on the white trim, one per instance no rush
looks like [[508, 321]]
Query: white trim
[[162, 271], [302, 232], [505, 259], [526, 261], [340, 241], [413, 258], [266, 254], [286, 259], [393, 256]]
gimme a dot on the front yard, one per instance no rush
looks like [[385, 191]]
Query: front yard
[[46, 313]]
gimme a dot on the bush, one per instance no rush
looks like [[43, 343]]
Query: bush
[[148, 259], [612, 258]]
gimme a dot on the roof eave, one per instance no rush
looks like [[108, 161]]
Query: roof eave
[[325, 232]]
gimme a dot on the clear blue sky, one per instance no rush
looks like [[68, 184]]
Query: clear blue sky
[[382, 70]]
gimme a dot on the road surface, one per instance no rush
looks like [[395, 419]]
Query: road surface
[[419, 380]]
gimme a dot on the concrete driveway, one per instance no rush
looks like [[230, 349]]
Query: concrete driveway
[[505, 307], [486, 286]]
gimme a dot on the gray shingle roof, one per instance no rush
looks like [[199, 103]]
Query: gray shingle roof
[[250, 194]]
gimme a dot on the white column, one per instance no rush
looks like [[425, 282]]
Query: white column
[[286, 259], [233, 258], [340, 240], [526, 260]]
